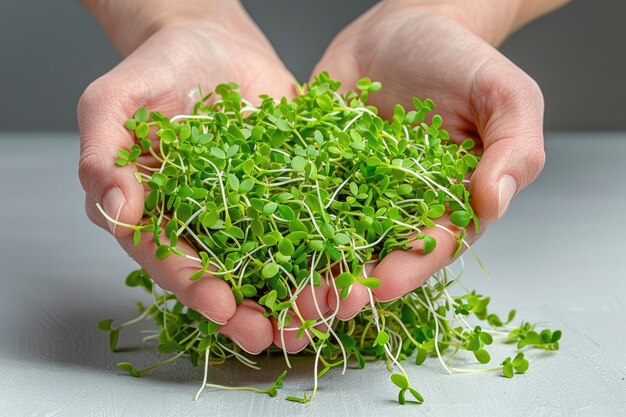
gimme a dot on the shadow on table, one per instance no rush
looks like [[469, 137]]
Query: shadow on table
[[66, 335]]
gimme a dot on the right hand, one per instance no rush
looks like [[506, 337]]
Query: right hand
[[160, 74]]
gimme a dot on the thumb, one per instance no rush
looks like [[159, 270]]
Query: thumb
[[101, 116], [341, 64], [508, 107]]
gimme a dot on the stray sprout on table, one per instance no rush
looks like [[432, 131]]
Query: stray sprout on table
[[290, 193]]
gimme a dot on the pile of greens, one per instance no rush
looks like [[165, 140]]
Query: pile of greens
[[293, 192]]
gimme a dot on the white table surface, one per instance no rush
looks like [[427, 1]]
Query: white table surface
[[558, 257]]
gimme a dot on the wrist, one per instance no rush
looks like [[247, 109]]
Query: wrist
[[128, 23], [492, 20]]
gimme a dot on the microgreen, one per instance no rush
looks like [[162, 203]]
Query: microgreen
[[283, 195]]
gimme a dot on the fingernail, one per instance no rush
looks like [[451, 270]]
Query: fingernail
[[113, 203], [506, 191], [241, 346], [206, 316]]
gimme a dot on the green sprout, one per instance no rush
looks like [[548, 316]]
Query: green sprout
[[291, 193]]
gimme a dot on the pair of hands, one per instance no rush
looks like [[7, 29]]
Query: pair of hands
[[426, 50]]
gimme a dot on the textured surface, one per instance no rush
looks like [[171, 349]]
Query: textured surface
[[556, 257]]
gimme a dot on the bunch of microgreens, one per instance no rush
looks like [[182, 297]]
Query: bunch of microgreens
[[290, 193]]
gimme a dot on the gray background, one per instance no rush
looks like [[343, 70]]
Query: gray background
[[557, 257], [51, 50]]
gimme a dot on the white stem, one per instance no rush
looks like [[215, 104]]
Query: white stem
[[206, 372], [431, 308]]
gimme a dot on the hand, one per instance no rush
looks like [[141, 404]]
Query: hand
[[159, 74], [427, 51]]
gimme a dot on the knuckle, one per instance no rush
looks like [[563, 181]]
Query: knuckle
[[90, 169], [536, 157], [533, 155], [500, 84], [92, 97], [91, 212], [109, 95]]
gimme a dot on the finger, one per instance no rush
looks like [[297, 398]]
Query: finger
[[291, 343], [249, 328], [102, 110], [341, 63], [209, 295], [94, 215], [401, 272], [311, 302], [508, 106], [354, 303]]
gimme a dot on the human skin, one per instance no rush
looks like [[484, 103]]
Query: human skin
[[437, 49], [444, 50]]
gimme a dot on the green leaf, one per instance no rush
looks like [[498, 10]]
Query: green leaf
[[359, 358], [317, 245], [344, 280], [482, 356], [522, 366], [437, 121], [142, 130], [404, 189], [436, 210], [205, 343], [319, 334], [468, 144], [246, 186], [347, 341], [286, 247], [327, 230], [507, 370], [375, 86], [429, 244], [400, 381], [127, 367], [381, 338], [373, 161], [370, 282], [486, 338], [130, 124], [162, 252], [269, 270], [342, 239], [168, 135], [325, 103], [270, 208], [418, 397], [364, 84], [460, 218], [248, 290], [141, 115], [235, 232], [297, 236], [233, 182], [136, 237], [298, 163], [421, 356], [208, 327], [286, 212], [105, 325], [158, 179], [218, 153], [114, 335], [268, 299]]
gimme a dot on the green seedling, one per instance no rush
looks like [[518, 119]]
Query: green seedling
[[283, 195]]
